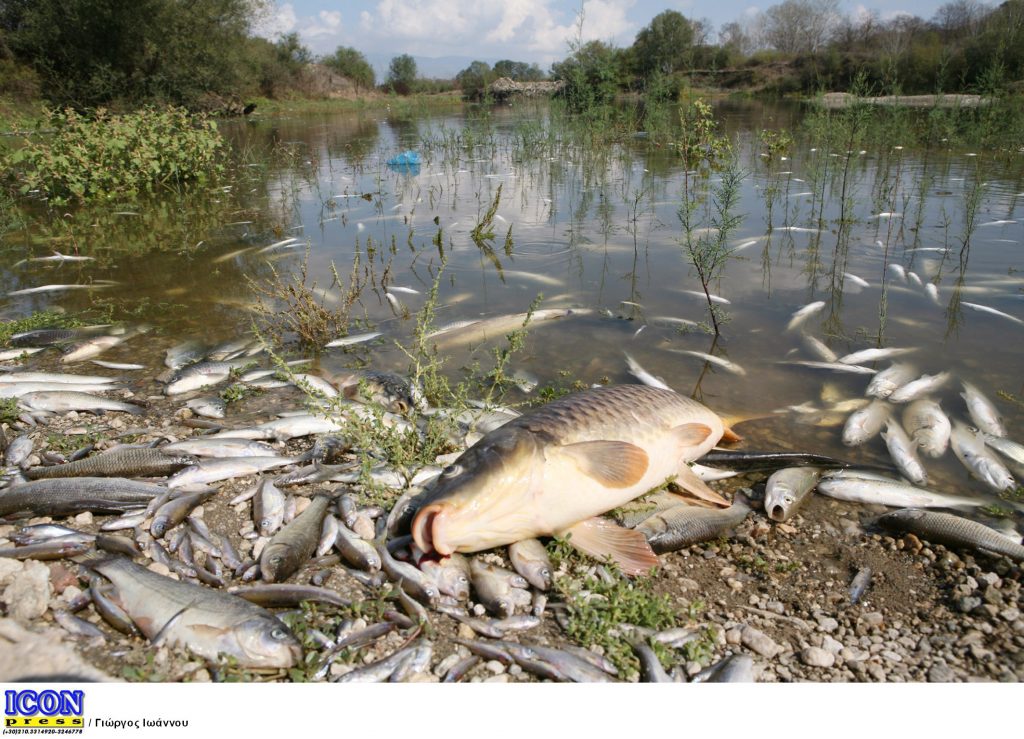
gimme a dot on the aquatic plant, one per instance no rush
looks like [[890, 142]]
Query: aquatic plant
[[107, 156]]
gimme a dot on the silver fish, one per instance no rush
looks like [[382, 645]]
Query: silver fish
[[944, 528], [719, 361], [215, 470], [991, 311], [903, 453], [924, 385], [530, 559], [982, 411], [891, 493], [683, 525], [928, 426], [866, 423], [888, 380], [643, 375], [356, 339], [207, 622], [293, 545], [873, 355], [969, 448], [787, 489], [800, 316]]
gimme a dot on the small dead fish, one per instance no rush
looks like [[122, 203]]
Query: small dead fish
[[919, 388], [787, 489], [683, 525], [800, 316], [64, 402], [64, 497], [834, 366], [969, 447], [736, 668], [118, 365], [928, 426], [294, 544], [643, 375], [719, 361], [356, 339], [945, 528], [712, 298], [530, 559], [864, 424], [888, 492], [888, 380], [819, 348], [497, 588], [859, 585], [903, 453], [982, 411], [355, 550], [873, 355], [991, 311], [211, 407]]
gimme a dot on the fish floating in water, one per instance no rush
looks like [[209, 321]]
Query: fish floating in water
[[553, 471]]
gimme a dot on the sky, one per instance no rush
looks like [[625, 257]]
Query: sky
[[522, 30]]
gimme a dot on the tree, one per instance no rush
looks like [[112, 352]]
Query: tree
[[736, 39], [402, 74], [518, 71], [474, 79], [352, 64], [591, 74], [800, 26], [662, 46]]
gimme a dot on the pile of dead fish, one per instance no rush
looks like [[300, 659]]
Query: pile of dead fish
[[209, 590]]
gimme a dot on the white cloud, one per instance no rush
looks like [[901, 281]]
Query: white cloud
[[329, 25], [277, 23]]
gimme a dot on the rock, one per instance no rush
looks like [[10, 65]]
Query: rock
[[874, 620], [831, 645], [84, 518], [759, 642], [734, 636], [817, 657], [8, 569], [827, 624], [876, 671], [502, 678], [25, 654], [28, 595], [495, 666], [1009, 614], [687, 584], [941, 673]]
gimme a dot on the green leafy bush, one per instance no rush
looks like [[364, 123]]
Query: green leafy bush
[[107, 156]]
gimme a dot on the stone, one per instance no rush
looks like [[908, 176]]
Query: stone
[[25, 654], [827, 624], [1009, 614], [874, 619], [941, 673], [817, 657], [831, 645], [28, 595], [494, 666], [759, 642], [968, 604]]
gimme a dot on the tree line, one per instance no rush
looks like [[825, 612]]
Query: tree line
[[88, 53]]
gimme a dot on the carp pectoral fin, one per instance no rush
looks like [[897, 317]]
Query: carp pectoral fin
[[687, 479], [600, 538], [691, 434], [615, 464], [685, 498]]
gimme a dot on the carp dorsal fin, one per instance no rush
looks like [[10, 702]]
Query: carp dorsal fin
[[687, 479], [602, 538], [691, 434], [615, 464]]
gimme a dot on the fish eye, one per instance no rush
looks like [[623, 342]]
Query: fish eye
[[452, 470], [279, 634]]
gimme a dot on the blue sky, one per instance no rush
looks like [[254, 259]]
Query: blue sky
[[523, 30]]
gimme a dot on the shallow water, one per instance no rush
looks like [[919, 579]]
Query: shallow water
[[591, 228]]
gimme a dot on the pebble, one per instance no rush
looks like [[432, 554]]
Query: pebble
[[817, 657], [495, 666], [827, 624], [28, 595], [1009, 614], [968, 604], [872, 619], [502, 678], [759, 642], [941, 673], [831, 645], [84, 518]]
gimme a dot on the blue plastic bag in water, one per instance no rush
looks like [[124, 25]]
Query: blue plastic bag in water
[[409, 157]]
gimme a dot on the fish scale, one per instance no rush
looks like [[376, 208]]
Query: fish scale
[[66, 496]]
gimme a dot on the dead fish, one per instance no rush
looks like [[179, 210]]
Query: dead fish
[[928, 427], [859, 584], [819, 348], [903, 453], [834, 366], [718, 361], [881, 491], [208, 622], [355, 339], [991, 311], [873, 355], [123, 462], [554, 470], [888, 380], [924, 385], [65, 497], [293, 545], [800, 316], [681, 526], [211, 407], [736, 668], [713, 298], [787, 489], [355, 550], [864, 424], [225, 468], [643, 375], [63, 402], [982, 411], [391, 391], [945, 528], [500, 590], [530, 559], [205, 446], [969, 447]]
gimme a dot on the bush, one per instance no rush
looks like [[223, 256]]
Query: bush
[[108, 156]]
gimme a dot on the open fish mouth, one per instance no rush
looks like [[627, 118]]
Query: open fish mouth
[[427, 527], [777, 513]]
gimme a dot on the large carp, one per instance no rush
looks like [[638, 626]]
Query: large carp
[[552, 471]]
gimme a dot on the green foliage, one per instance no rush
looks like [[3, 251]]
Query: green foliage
[[474, 79], [94, 52], [9, 410], [518, 71], [663, 45], [42, 319], [117, 156], [402, 74], [592, 75], [350, 63]]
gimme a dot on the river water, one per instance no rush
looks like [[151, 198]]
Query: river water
[[594, 228]]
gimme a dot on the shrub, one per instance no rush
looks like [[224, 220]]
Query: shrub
[[107, 156]]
